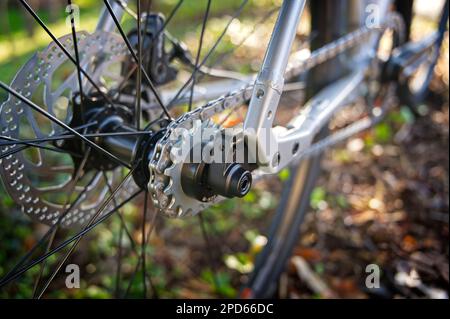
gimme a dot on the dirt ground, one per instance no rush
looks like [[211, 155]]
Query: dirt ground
[[387, 205]]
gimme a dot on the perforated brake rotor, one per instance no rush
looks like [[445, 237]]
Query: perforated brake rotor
[[38, 180]]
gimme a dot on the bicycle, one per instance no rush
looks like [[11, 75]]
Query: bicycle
[[102, 137]]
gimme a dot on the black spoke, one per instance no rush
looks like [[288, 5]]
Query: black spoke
[[138, 265], [90, 222], [169, 18], [64, 50], [119, 261], [166, 22], [68, 246], [43, 264], [120, 214], [224, 55], [210, 52], [123, 228], [209, 250], [182, 91], [144, 220], [67, 242], [262, 21], [147, 52], [66, 206], [136, 59], [148, 11], [13, 141], [126, 8], [34, 142], [143, 244], [45, 237], [199, 51], [77, 60], [61, 123]]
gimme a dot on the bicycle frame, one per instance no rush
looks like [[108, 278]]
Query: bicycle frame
[[269, 83], [278, 147]]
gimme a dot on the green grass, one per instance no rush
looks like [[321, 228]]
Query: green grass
[[17, 46]]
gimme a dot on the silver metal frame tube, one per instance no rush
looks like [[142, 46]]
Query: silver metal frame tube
[[270, 81], [278, 147]]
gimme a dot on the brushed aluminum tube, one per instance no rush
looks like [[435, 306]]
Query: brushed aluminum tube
[[270, 81], [277, 54], [106, 22]]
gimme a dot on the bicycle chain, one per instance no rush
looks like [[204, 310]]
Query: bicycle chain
[[160, 182]]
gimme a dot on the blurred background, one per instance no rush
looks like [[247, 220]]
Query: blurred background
[[382, 197]]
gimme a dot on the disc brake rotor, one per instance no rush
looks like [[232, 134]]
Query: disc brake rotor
[[41, 181]]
